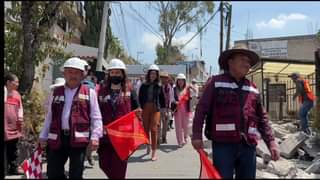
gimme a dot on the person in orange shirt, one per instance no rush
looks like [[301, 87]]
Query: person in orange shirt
[[306, 98], [13, 123]]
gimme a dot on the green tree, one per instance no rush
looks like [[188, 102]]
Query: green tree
[[176, 15], [318, 35], [28, 40], [174, 55], [91, 35]]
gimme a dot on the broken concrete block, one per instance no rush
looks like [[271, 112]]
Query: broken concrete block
[[263, 151], [290, 127], [282, 167], [301, 152], [303, 175], [311, 147], [265, 175], [301, 163], [279, 131], [289, 146], [314, 167], [260, 163]]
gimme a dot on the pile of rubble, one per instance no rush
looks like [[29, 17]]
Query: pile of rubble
[[300, 154]]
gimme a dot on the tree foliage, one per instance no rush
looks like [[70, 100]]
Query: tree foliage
[[28, 41], [177, 15], [174, 55]]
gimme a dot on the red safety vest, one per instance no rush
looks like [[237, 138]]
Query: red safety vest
[[123, 106], [227, 111], [309, 93], [79, 118]]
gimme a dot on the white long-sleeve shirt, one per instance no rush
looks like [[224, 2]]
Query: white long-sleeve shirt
[[95, 114]]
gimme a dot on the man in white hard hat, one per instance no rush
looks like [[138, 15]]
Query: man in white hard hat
[[73, 122]]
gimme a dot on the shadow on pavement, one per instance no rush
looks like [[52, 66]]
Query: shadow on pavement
[[139, 158], [168, 148]]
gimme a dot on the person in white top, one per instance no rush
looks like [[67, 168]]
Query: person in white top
[[72, 123]]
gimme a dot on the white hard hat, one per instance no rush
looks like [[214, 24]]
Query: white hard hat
[[116, 64], [154, 67], [58, 82], [181, 76], [76, 63]]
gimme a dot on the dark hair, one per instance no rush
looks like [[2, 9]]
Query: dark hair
[[184, 84], [123, 83], [148, 80], [10, 77]]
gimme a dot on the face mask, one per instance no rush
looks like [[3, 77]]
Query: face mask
[[116, 79]]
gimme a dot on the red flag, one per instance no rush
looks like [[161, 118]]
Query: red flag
[[32, 167], [126, 134], [184, 97], [207, 169]]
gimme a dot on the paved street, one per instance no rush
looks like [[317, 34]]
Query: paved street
[[173, 162]]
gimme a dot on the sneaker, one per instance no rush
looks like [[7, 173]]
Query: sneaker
[[307, 132]]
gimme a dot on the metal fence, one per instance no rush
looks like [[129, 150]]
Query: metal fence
[[286, 107]]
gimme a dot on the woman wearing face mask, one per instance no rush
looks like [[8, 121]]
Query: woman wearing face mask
[[115, 100], [151, 99]]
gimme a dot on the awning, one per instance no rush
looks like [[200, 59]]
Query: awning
[[284, 67]]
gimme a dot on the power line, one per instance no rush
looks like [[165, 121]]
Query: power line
[[144, 20], [117, 22], [125, 30], [150, 30], [199, 30]]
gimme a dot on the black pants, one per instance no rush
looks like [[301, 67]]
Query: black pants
[[57, 158], [10, 159]]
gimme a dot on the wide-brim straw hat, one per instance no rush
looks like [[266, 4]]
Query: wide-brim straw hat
[[164, 74], [240, 49]]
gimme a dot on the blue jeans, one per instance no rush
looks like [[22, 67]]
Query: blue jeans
[[303, 114], [234, 157]]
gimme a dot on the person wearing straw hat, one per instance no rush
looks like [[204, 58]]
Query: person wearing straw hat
[[167, 91], [235, 117], [73, 122]]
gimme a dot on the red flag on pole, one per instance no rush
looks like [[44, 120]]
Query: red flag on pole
[[126, 134], [32, 167], [207, 169]]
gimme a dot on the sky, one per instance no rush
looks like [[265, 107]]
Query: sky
[[264, 19]]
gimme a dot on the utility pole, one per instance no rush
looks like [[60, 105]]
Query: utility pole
[[102, 41], [317, 93], [200, 45], [221, 27], [229, 13]]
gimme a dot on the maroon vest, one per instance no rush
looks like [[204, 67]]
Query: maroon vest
[[122, 107], [79, 121], [227, 111]]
